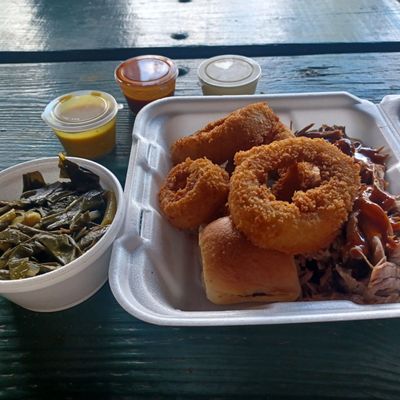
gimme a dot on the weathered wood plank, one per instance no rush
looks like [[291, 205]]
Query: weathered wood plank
[[96, 349], [46, 25], [25, 89]]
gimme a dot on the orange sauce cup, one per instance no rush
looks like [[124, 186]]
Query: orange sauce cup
[[144, 79]]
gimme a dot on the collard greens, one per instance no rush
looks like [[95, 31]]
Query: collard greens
[[52, 224]]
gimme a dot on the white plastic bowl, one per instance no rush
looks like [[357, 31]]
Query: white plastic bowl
[[78, 280]]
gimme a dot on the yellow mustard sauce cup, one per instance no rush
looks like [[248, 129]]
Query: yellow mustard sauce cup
[[84, 122]]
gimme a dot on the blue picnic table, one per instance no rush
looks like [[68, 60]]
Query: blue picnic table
[[97, 349]]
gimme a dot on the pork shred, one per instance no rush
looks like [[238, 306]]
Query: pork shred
[[363, 262]]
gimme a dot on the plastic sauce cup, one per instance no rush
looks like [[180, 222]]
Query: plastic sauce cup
[[229, 75], [84, 122], [144, 79]]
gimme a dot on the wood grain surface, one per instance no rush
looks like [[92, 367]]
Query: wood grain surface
[[25, 89], [97, 350], [40, 25]]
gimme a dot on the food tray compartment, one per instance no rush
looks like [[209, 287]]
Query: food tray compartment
[[155, 269]]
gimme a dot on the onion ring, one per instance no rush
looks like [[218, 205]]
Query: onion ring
[[193, 193], [311, 220], [253, 125]]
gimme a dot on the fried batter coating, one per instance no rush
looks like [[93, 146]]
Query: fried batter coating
[[253, 125], [193, 193], [311, 219]]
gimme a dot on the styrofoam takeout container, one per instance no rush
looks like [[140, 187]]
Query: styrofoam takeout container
[[80, 279], [155, 269]]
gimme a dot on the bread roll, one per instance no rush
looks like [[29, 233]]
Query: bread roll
[[236, 271]]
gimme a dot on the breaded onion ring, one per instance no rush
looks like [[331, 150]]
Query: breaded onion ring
[[253, 125], [193, 193], [313, 217]]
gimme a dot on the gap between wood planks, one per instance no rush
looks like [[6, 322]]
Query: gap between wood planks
[[191, 52]]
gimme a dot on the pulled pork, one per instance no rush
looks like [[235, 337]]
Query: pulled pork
[[363, 263]]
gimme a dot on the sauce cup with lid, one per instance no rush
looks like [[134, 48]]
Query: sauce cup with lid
[[84, 121], [229, 75], [144, 79]]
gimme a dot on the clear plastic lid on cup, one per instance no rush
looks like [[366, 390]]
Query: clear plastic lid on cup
[[146, 78], [229, 75], [84, 122]]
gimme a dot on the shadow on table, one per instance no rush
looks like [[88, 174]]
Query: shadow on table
[[97, 349], [62, 353]]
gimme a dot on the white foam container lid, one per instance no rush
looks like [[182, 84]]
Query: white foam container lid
[[155, 269]]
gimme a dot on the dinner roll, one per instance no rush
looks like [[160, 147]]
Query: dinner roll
[[236, 271]]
